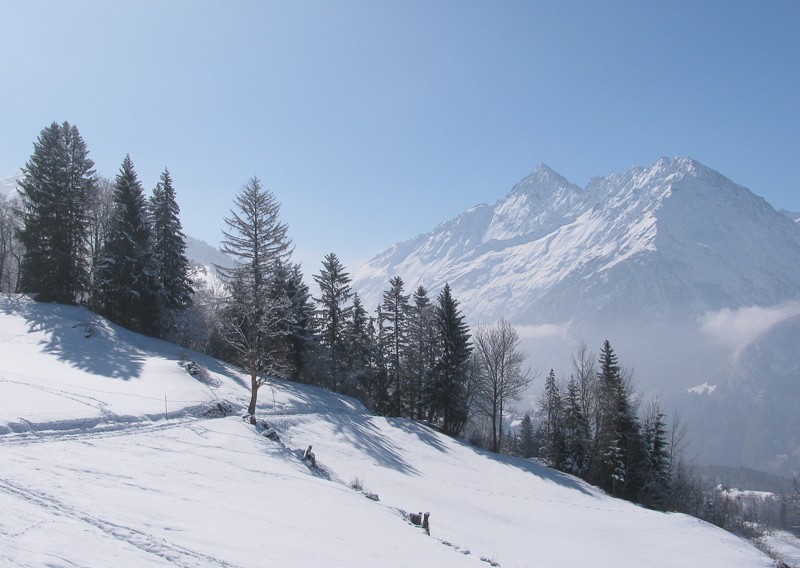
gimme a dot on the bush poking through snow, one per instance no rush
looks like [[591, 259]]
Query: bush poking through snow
[[358, 484], [221, 408]]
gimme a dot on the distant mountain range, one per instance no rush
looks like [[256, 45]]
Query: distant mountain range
[[684, 271]]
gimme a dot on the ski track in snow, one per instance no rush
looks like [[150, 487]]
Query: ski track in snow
[[179, 555]]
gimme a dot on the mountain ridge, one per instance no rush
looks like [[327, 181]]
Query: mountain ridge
[[641, 258]]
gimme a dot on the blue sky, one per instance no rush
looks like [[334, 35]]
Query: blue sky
[[374, 121]]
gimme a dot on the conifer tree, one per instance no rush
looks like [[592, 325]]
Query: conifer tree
[[527, 437], [448, 392], [361, 352], [617, 440], [174, 287], [655, 467], [421, 350], [126, 274], [576, 431], [253, 316], [552, 425], [298, 320], [332, 315], [55, 188], [395, 311]]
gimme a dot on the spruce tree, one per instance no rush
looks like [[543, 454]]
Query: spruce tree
[[576, 433], [55, 189], [395, 311], [361, 353], [421, 350], [127, 286], [333, 312], [617, 441], [448, 393], [552, 425], [527, 437], [655, 467], [174, 287], [299, 322]]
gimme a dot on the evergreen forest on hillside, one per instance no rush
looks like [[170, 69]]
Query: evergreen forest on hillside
[[74, 237]]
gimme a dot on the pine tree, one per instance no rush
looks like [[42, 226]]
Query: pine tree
[[55, 189], [299, 322], [552, 425], [253, 316], [617, 440], [421, 350], [576, 433], [169, 248], [333, 312], [655, 468], [361, 353], [395, 311], [527, 437], [126, 274], [448, 392], [379, 389]]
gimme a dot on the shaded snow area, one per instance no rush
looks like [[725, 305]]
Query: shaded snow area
[[93, 474]]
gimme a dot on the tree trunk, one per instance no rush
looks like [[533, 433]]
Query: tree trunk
[[251, 409]]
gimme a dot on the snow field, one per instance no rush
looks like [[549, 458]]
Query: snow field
[[93, 475]]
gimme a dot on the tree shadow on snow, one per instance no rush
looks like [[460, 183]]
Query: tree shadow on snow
[[80, 338], [360, 432], [540, 471], [425, 433]]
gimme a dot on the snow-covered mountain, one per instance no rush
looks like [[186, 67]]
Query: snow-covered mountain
[[653, 259], [206, 255], [676, 238], [115, 452], [9, 185]]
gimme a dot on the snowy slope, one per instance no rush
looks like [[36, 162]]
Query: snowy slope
[[93, 475]]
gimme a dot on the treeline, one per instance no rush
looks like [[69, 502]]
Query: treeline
[[592, 425], [77, 238]]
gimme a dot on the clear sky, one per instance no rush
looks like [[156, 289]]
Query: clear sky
[[373, 121]]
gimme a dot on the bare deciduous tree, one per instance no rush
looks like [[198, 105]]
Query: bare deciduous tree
[[501, 379]]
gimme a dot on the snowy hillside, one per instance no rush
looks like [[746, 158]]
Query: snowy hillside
[[678, 266], [94, 475]]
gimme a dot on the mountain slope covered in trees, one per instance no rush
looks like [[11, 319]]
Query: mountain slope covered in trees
[[674, 263]]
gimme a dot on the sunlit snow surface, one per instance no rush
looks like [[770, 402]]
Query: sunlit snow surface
[[93, 475]]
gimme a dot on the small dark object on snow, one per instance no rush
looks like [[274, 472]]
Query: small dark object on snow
[[421, 520], [309, 455]]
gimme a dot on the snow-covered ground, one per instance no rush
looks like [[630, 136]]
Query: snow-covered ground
[[93, 474]]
